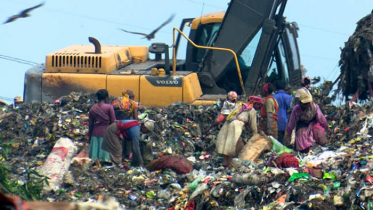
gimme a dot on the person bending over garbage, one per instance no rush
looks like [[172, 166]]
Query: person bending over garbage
[[126, 108], [309, 122], [228, 106], [130, 131], [228, 142]]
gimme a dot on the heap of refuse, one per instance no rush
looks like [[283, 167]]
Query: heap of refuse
[[185, 172], [357, 61]]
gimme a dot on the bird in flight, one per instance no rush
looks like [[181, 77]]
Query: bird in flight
[[23, 13], [152, 34]]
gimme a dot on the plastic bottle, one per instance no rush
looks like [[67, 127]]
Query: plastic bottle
[[194, 184]]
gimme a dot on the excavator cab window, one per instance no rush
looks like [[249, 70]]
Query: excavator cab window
[[245, 60], [248, 53], [205, 34], [278, 65], [294, 48]]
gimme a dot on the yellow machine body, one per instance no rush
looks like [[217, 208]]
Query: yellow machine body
[[149, 90], [80, 68], [83, 59]]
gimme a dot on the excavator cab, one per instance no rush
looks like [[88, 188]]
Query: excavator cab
[[264, 42]]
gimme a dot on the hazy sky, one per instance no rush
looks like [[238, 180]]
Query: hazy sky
[[324, 27]]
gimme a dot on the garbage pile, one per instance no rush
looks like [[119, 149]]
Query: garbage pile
[[336, 176], [357, 61]]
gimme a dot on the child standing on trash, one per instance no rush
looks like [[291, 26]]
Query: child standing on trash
[[101, 115], [228, 142]]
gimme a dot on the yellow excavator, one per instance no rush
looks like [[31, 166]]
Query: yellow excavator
[[240, 49]]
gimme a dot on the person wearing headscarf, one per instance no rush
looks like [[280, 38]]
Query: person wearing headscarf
[[268, 113], [309, 123], [306, 84], [127, 130], [101, 115], [228, 106], [229, 142], [284, 105], [126, 107]]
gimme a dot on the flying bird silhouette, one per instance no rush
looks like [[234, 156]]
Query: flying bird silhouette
[[22, 14], [152, 34]]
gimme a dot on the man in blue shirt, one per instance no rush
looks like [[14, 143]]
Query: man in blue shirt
[[283, 99]]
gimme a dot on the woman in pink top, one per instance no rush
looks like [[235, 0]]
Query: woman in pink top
[[309, 122], [101, 115]]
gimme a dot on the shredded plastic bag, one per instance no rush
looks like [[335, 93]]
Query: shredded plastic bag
[[58, 162]]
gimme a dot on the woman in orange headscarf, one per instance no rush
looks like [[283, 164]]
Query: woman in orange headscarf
[[268, 113], [125, 108]]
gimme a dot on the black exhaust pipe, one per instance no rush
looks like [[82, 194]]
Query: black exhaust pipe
[[96, 43]]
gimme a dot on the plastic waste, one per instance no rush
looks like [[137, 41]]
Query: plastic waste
[[150, 194], [250, 178], [198, 191], [336, 185], [278, 147], [193, 186], [143, 116], [329, 176], [369, 179], [299, 176], [164, 194], [239, 200], [58, 162], [337, 200], [370, 205], [132, 197]]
